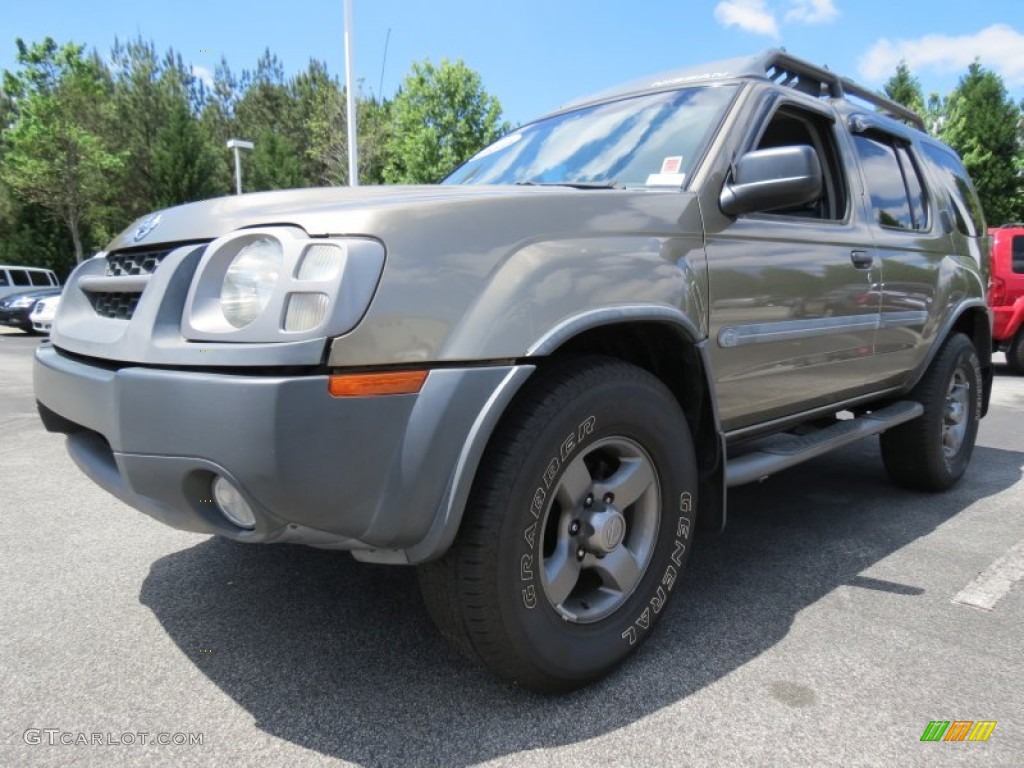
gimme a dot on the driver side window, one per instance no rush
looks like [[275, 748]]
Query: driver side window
[[790, 126]]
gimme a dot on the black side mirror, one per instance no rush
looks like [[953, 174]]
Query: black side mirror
[[768, 179]]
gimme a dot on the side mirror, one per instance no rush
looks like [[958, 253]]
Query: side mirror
[[767, 179]]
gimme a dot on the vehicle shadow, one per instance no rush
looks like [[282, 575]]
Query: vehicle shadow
[[341, 657]]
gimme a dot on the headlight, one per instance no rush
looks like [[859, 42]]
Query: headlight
[[278, 284], [25, 301], [249, 281]]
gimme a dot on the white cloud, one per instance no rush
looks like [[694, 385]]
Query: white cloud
[[750, 15], [1000, 48], [203, 74], [812, 11]]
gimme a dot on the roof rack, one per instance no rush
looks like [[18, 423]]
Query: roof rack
[[780, 67]]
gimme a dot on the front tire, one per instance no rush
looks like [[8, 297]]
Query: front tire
[[577, 527], [931, 452]]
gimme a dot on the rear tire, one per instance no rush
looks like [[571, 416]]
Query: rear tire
[[931, 452], [576, 530], [1015, 353]]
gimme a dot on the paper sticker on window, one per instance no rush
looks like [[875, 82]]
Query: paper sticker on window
[[666, 180], [672, 164]]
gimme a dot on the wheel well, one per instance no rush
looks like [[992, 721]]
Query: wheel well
[[974, 323], [977, 326], [670, 355]]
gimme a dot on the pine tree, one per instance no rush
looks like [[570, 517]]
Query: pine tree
[[905, 89], [983, 127]]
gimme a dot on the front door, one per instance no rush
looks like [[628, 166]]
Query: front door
[[794, 294]]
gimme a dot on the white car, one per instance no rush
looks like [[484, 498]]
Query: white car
[[43, 313]]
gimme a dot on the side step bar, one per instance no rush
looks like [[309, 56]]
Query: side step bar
[[783, 451]]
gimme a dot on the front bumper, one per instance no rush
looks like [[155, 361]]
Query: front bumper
[[16, 318], [369, 473]]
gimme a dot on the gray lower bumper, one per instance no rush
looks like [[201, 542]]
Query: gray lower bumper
[[372, 473]]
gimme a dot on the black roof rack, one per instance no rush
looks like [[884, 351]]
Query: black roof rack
[[780, 67]]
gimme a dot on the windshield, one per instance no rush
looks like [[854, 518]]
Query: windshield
[[650, 140]]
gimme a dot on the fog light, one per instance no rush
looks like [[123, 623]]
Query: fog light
[[232, 505]]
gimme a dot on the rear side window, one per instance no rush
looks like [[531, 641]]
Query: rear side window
[[1017, 249], [19, 277], [964, 200], [897, 197], [39, 278]]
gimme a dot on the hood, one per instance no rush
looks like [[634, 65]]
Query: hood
[[319, 211]]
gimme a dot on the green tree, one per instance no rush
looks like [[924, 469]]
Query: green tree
[[982, 125], [186, 165], [273, 164], [57, 154], [905, 89], [440, 118], [318, 117]]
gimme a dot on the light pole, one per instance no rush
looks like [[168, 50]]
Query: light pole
[[350, 108], [237, 144]]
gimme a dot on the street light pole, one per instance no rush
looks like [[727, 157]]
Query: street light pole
[[237, 144], [353, 151]]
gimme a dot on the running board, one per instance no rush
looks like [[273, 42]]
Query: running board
[[783, 451]]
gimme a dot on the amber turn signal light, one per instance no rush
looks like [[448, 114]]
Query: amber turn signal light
[[375, 384]]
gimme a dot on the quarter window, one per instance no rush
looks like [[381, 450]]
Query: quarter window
[[3, 278], [962, 198], [1018, 254], [897, 197]]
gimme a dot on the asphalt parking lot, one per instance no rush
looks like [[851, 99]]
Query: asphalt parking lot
[[819, 629]]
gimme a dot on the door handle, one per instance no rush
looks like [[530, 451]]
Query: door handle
[[861, 259]]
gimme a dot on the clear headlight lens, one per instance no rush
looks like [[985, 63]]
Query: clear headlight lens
[[250, 280], [321, 261], [23, 302], [306, 311]]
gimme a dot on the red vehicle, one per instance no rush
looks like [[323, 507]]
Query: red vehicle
[[1006, 293]]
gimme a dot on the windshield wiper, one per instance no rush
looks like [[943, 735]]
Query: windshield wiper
[[574, 184]]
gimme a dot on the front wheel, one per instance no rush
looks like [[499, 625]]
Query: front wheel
[[931, 452], [577, 528]]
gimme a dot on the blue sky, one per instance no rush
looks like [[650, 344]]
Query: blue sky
[[535, 55]]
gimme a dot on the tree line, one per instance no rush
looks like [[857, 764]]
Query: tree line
[[88, 143], [984, 125]]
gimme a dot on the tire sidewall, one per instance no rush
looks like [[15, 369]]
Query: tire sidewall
[[645, 412], [965, 359]]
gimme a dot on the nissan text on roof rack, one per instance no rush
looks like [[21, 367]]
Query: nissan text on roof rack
[[536, 380]]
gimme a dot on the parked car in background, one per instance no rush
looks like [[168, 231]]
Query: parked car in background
[[1006, 293], [19, 279], [16, 307], [43, 313]]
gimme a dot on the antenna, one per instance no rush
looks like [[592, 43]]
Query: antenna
[[380, 87]]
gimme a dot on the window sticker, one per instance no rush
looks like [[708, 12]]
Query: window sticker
[[666, 180], [672, 164]]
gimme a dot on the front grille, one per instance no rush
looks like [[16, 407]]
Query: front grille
[[117, 306], [127, 263]]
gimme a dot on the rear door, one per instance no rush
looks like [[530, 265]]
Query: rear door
[[918, 246]]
